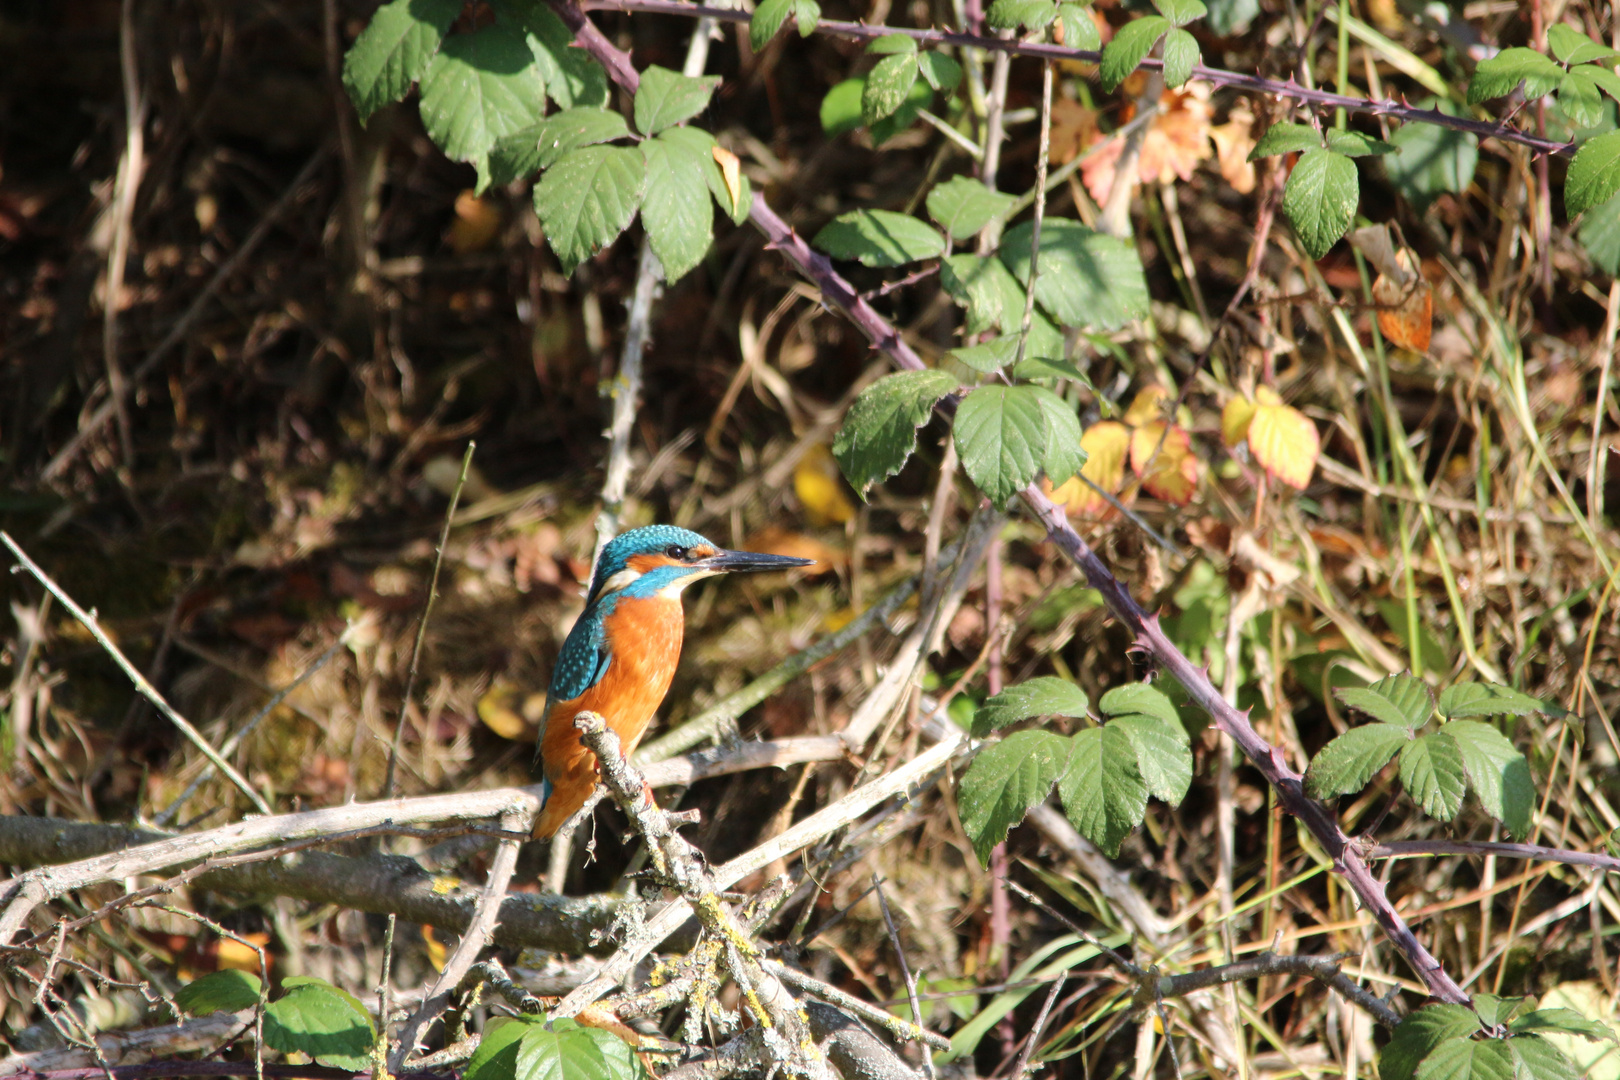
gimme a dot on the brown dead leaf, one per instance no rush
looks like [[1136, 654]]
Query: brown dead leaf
[[730, 172], [476, 225], [1233, 142], [1405, 305], [1176, 141]]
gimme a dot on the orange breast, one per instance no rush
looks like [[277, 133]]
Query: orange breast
[[644, 641]]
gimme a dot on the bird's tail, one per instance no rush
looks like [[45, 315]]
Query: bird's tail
[[544, 827]]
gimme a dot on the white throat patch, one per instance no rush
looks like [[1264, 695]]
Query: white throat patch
[[623, 579]]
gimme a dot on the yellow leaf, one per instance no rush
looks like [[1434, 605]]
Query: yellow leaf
[[435, 948], [1169, 471], [1106, 443], [1147, 406], [508, 713], [241, 955], [821, 489], [1265, 395], [1284, 443], [1235, 420], [730, 172]]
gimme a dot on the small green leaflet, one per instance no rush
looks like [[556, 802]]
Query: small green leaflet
[[1579, 97], [1355, 144], [1162, 754], [480, 86], [963, 206], [1560, 1019], [496, 1056], [841, 110], [1394, 699], [1430, 159], [665, 98], [1539, 1059], [1079, 30], [1087, 279], [1489, 699], [564, 1050], [1144, 699], [1495, 1010], [940, 71], [1502, 73], [889, 84], [769, 17], [1044, 696], [320, 1020], [1001, 439], [1468, 1059], [1064, 456], [225, 990], [1432, 770], [1420, 1034], [588, 198], [1131, 44], [394, 50], [1320, 199], [994, 300], [1048, 367], [1573, 47], [1004, 781], [1103, 791], [1180, 55], [879, 238], [1498, 773], [572, 77], [538, 146], [1011, 14], [881, 429], [1346, 764], [1594, 175], [993, 355], [1286, 138], [676, 209], [1181, 12]]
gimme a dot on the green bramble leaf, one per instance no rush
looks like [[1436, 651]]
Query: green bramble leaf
[[394, 50], [992, 355], [1043, 696], [1594, 175], [1005, 781], [880, 431], [1180, 54], [1286, 138], [1394, 699], [539, 146], [1579, 97], [573, 78], [677, 210], [1011, 14], [1600, 235], [1573, 47], [879, 238], [1320, 199], [1064, 456], [1567, 1021], [1087, 279], [841, 108], [1141, 699], [1162, 755], [964, 206], [1001, 438], [665, 98], [1103, 792], [1495, 1010], [1603, 77], [565, 1050], [1500, 75], [225, 990], [1078, 28], [496, 1056], [1181, 12], [1498, 773], [1049, 367], [1468, 1059], [1131, 44], [1430, 159], [769, 17], [316, 1018], [1346, 764], [1490, 699], [1355, 144], [994, 299], [1432, 770], [588, 198], [479, 87], [889, 84], [1538, 1059], [940, 71], [1420, 1034]]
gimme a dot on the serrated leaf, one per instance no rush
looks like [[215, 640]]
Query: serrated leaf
[[1043, 696], [888, 85], [1431, 159], [1489, 699], [560, 1050], [1162, 757], [1394, 699], [573, 78], [1284, 442], [1603, 77], [994, 300], [1181, 12], [1077, 28], [1004, 781], [1502, 73], [992, 355], [1495, 1010], [1141, 698], [1567, 1021], [479, 87], [226, 990], [1064, 455], [941, 71], [1573, 47], [1432, 770], [1320, 199], [1594, 175], [1011, 14], [1001, 439], [1579, 97], [881, 429], [676, 209], [1180, 54], [1468, 1059], [1420, 1034], [1130, 46], [1103, 792], [394, 50], [1538, 1059], [1087, 279], [1346, 764], [587, 199], [1049, 367], [879, 238], [1286, 138], [665, 98], [496, 1056], [769, 17], [1355, 144], [540, 145], [1499, 773], [322, 1021], [963, 206]]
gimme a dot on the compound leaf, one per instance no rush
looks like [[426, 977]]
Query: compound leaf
[[1420, 1034], [394, 50], [1394, 699]]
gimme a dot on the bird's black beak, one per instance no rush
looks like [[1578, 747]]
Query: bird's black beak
[[726, 562]]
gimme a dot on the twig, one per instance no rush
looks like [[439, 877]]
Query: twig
[[130, 167], [1040, 1025], [1405, 849], [1043, 152], [389, 790], [886, 1020], [905, 968], [146, 689]]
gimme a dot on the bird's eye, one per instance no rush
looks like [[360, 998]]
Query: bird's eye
[[675, 551]]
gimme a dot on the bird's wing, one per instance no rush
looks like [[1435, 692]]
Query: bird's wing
[[583, 661]]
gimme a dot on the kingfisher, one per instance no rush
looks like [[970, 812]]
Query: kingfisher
[[620, 656]]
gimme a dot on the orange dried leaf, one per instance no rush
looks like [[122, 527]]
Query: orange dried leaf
[[1285, 443], [476, 225], [730, 172], [1405, 313], [1168, 469], [241, 955], [1233, 140], [1175, 142], [1235, 420]]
